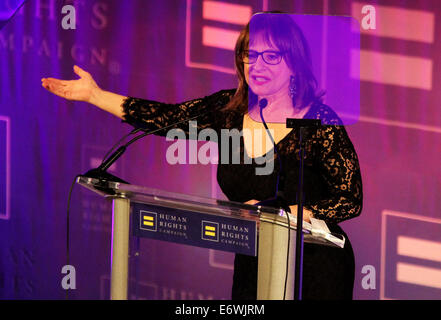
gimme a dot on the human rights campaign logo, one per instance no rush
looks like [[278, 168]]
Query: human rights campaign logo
[[148, 220], [210, 231]]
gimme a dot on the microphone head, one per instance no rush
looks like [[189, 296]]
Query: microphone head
[[263, 103]]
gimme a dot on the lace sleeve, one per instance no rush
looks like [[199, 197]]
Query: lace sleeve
[[341, 172], [150, 115]]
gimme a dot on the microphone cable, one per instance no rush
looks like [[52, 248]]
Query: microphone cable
[[70, 197], [68, 227]]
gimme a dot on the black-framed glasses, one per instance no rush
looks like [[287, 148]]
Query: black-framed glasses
[[268, 56]]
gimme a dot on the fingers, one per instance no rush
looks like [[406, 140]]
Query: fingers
[[78, 89], [52, 84], [80, 71], [55, 86], [55, 82]]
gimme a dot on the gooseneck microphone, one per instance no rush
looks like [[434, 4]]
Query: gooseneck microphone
[[101, 173], [262, 104], [278, 200]]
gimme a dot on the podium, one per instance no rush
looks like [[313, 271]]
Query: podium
[[209, 223]]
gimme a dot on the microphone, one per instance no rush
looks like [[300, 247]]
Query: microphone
[[278, 200], [263, 103], [101, 173]]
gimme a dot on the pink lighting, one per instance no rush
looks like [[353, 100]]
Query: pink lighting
[[419, 248], [219, 38], [226, 12], [399, 23], [394, 69], [419, 275]]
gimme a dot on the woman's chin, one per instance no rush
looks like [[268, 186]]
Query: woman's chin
[[262, 92]]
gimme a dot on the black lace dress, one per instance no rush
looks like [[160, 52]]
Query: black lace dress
[[332, 183]]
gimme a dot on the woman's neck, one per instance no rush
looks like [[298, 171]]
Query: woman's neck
[[279, 107]]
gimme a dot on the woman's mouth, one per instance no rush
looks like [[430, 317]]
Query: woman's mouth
[[260, 80]]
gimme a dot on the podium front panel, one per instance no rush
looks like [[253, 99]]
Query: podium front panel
[[225, 233]]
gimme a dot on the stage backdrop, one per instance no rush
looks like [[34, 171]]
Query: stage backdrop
[[173, 51]]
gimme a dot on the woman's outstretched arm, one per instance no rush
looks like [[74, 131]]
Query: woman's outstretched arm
[[85, 89], [138, 112]]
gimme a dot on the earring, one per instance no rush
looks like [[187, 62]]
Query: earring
[[292, 88]]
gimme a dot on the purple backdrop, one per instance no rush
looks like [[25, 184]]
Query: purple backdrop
[[163, 50]]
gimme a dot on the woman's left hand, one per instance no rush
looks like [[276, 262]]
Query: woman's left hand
[[306, 213], [252, 202]]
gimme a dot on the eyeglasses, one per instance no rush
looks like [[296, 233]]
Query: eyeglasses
[[269, 57]]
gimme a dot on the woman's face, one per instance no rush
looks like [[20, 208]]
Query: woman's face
[[264, 79]]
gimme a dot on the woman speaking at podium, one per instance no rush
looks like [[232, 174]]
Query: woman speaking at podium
[[273, 66]]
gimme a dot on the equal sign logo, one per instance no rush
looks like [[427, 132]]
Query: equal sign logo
[[5, 168], [148, 220], [210, 231], [416, 27], [410, 256], [212, 28]]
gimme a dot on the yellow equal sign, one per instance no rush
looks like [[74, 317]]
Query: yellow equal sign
[[210, 231], [148, 221]]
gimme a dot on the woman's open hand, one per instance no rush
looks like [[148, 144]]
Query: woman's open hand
[[82, 89], [252, 202], [307, 215]]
